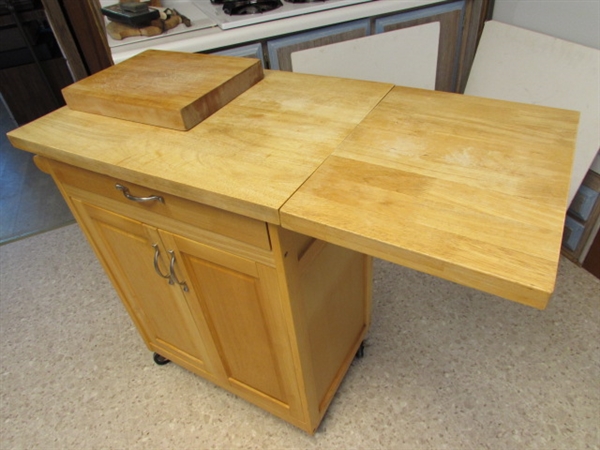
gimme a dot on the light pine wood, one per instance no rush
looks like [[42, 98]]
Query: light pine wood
[[166, 89], [158, 308], [228, 295], [337, 310], [328, 308], [468, 189], [471, 190], [189, 328], [238, 301], [247, 158], [220, 329], [264, 331], [520, 65], [240, 228]]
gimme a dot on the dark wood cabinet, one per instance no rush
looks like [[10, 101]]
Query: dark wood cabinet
[[32, 68], [592, 260], [87, 27], [45, 45], [26, 93]]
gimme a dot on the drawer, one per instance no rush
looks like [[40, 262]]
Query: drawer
[[583, 203], [572, 234], [81, 183]]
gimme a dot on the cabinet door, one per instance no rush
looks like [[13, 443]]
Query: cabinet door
[[245, 51], [280, 50], [239, 301], [450, 16], [128, 250]]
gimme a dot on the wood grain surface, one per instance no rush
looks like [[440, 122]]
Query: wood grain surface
[[248, 158], [468, 189], [166, 89]]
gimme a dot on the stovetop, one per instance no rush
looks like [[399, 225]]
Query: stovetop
[[238, 13]]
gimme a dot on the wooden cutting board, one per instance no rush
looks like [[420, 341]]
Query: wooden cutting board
[[167, 89]]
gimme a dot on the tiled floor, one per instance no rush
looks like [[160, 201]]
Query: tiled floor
[[29, 201]]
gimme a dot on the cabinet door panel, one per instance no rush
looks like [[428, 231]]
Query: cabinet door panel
[[235, 313], [125, 246], [280, 50], [335, 301], [450, 16], [233, 302], [245, 51]]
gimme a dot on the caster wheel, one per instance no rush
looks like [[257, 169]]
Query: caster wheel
[[361, 350], [160, 360]]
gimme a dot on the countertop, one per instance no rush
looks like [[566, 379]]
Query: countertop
[[468, 189], [249, 157], [214, 38]]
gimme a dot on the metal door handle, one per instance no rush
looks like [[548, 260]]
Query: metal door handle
[[183, 284], [133, 198], [156, 268]]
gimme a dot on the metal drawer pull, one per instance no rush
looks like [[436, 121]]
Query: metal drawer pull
[[156, 268], [133, 198], [183, 284]]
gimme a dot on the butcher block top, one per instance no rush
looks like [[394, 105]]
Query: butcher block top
[[464, 188], [167, 89], [249, 157], [468, 189]]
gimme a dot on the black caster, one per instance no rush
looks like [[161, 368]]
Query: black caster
[[361, 350], [161, 360]]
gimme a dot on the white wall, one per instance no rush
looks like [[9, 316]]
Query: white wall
[[572, 20]]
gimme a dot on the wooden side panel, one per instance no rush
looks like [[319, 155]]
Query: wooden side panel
[[333, 287], [65, 40], [328, 311]]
